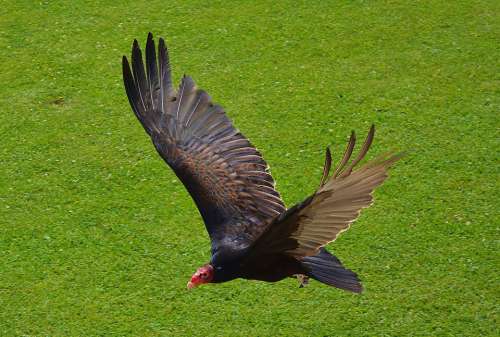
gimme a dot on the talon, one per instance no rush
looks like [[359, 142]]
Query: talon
[[303, 280]]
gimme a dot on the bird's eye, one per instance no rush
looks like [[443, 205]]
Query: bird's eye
[[203, 275]]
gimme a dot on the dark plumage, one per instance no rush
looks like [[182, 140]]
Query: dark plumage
[[253, 235]]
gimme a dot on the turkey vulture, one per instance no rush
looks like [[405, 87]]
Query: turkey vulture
[[253, 236]]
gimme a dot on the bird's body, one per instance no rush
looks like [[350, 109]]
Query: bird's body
[[270, 268], [253, 235]]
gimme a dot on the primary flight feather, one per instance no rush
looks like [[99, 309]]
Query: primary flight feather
[[252, 234]]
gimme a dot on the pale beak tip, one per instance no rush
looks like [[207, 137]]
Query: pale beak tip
[[190, 285]]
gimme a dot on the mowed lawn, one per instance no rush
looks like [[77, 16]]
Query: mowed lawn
[[99, 238]]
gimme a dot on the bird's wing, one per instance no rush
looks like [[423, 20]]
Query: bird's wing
[[306, 227], [224, 173]]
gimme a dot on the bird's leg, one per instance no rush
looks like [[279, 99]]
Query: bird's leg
[[303, 280]]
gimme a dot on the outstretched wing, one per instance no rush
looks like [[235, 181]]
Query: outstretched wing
[[303, 229], [225, 175]]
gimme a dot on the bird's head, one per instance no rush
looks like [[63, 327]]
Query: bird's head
[[204, 274]]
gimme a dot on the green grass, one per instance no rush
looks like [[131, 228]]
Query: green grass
[[97, 236]]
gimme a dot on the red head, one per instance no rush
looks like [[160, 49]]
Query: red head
[[204, 274]]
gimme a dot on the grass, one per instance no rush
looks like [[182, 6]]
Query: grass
[[97, 236]]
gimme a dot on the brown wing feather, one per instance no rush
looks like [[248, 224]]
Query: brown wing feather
[[326, 167], [305, 228], [224, 173]]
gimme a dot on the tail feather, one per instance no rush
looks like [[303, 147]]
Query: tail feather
[[328, 269]]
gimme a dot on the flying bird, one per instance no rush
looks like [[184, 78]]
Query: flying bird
[[253, 235]]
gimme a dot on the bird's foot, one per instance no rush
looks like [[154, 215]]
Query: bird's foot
[[303, 280]]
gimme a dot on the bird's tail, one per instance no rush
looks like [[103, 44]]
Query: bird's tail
[[328, 269]]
